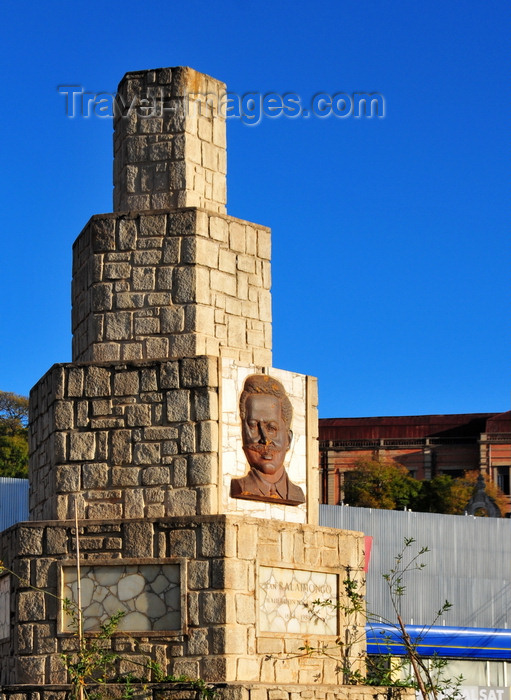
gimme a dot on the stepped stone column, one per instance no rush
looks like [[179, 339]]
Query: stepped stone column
[[164, 278], [141, 437], [169, 143]]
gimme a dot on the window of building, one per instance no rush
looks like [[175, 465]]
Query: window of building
[[503, 480]]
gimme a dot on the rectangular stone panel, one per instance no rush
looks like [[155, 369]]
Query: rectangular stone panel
[[287, 597], [149, 595]]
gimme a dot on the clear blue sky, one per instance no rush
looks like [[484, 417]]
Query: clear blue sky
[[390, 246]]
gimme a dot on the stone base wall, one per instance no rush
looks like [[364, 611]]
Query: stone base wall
[[152, 285], [222, 638], [231, 691]]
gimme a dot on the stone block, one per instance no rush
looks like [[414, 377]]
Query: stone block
[[125, 476], [94, 476], [184, 285], [219, 229], [245, 609], [67, 478], [118, 325], [147, 453], [102, 298], [247, 541], [148, 380], [181, 502], [147, 257], [227, 261], [178, 405], [30, 541], [187, 438], [104, 511], [264, 244], [25, 639], [230, 574], [205, 405], [236, 331], [172, 320], [63, 415], [156, 348], [56, 540], [213, 607], [97, 381], [143, 279], [153, 225], [45, 641], [223, 282], [138, 415], [75, 379], [121, 446], [217, 540], [127, 234], [104, 352], [198, 642], [102, 234], [156, 475], [31, 606], [134, 506], [164, 278], [132, 351], [183, 543], [116, 271], [199, 372], [138, 539], [185, 345], [193, 608], [82, 447], [198, 575], [126, 384], [248, 669], [29, 668], [208, 436], [186, 667], [171, 251], [271, 645], [179, 472], [201, 468], [101, 407]]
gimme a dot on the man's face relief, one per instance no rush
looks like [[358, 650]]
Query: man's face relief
[[265, 436]]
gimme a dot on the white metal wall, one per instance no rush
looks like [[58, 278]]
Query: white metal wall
[[469, 564]]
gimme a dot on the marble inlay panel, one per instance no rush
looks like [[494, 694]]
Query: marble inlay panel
[[5, 606], [284, 594], [148, 594]]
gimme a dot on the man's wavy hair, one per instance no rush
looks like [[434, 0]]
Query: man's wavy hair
[[263, 384]]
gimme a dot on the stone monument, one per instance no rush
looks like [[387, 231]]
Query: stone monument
[[143, 438]]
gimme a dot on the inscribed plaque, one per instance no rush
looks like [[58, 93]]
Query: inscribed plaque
[[284, 595]]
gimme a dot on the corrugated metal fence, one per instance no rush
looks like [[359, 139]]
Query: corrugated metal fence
[[469, 564], [13, 501]]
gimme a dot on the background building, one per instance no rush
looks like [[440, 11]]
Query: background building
[[425, 445]]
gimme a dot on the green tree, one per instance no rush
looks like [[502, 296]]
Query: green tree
[[443, 494], [440, 496], [13, 435], [381, 484]]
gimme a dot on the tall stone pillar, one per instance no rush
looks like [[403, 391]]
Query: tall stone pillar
[[141, 436], [169, 142]]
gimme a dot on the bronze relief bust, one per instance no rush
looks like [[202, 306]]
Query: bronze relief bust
[[266, 414]]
